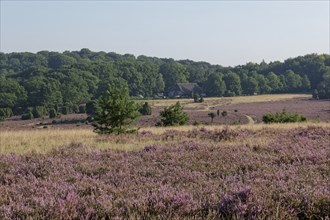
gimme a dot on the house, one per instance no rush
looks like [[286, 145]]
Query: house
[[184, 90]]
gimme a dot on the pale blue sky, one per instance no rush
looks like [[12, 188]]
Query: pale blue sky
[[219, 32]]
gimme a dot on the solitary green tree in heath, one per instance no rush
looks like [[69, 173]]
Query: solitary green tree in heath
[[174, 115], [115, 111]]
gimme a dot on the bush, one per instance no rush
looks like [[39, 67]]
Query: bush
[[52, 113], [224, 113], [283, 117], [5, 113], [174, 115], [195, 97], [82, 109], [230, 93], [196, 123], [159, 124], [198, 98], [145, 109], [27, 116], [39, 111]]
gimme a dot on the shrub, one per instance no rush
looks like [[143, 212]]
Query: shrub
[[196, 123], [159, 124], [39, 111], [198, 98], [282, 117], [5, 113], [230, 93], [195, 97], [27, 116], [174, 115], [82, 109], [224, 113], [145, 109], [52, 113]]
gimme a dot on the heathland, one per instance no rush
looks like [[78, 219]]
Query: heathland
[[233, 168], [225, 164]]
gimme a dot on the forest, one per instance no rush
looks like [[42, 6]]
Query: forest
[[74, 78]]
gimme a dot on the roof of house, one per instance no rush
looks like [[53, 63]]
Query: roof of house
[[188, 87]]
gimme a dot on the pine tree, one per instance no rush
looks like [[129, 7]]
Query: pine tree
[[115, 112], [174, 115]]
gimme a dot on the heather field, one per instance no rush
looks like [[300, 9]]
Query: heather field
[[233, 168], [213, 172]]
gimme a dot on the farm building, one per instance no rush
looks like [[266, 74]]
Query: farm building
[[184, 90]]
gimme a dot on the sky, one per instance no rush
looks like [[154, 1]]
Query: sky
[[227, 33]]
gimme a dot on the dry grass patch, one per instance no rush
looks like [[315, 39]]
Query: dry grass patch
[[267, 98], [23, 141], [210, 103], [43, 141]]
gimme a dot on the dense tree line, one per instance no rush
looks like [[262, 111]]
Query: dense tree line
[[70, 79]]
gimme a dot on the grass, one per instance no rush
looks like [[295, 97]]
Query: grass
[[225, 101], [42, 141]]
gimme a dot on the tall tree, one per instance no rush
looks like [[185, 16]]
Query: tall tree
[[249, 85], [324, 86], [274, 82], [215, 86], [293, 81], [233, 83], [305, 83], [11, 93], [173, 72]]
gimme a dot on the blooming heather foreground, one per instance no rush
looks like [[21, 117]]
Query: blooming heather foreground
[[199, 174]]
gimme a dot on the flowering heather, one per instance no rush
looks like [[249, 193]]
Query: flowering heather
[[197, 176]]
